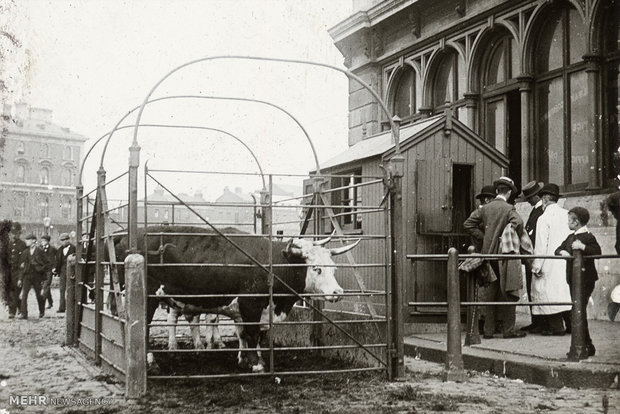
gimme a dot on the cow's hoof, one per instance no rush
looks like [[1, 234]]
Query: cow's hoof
[[258, 368], [219, 345], [199, 345]]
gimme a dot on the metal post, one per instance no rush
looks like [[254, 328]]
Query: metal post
[[135, 334], [70, 301], [99, 254], [134, 163], [79, 267], [266, 219], [396, 171], [319, 305], [454, 359], [578, 318]]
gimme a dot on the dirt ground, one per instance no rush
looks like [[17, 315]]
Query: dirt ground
[[34, 363]]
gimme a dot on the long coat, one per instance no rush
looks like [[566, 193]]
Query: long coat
[[550, 285]]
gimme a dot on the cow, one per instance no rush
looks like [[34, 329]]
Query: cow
[[311, 270]]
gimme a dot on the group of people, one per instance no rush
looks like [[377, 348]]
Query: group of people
[[32, 266], [497, 228]]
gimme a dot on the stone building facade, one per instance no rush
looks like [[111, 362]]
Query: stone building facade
[[37, 171]]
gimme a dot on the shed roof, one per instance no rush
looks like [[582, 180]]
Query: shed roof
[[378, 144]]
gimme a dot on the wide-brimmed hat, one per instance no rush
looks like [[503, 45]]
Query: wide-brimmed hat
[[550, 188], [507, 182], [31, 236], [64, 236], [46, 237], [16, 227], [531, 189], [487, 191]]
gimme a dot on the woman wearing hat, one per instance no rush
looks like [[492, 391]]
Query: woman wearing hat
[[549, 282]]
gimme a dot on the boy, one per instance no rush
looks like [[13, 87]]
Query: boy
[[581, 239]]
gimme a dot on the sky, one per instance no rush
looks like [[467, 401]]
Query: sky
[[92, 61]]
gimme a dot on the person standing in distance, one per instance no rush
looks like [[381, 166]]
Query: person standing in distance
[[16, 247], [66, 249], [46, 285], [33, 265]]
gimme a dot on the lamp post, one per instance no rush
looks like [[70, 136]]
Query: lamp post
[[47, 223]]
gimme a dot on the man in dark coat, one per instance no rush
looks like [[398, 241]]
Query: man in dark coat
[[46, 285], [16, 247], [64, 251], [494, 218], [33, 265], [581, 239], [531, 194]]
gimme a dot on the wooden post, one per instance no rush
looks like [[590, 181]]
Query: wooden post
[[134, 163], [454, 359], [266, 213], [99, 271], [135, 334], [70, 301], [578, 317], [79, 266]]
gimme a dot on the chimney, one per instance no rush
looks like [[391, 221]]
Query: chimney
[[41, 114]]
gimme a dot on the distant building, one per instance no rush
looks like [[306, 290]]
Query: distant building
[[164, 208], [38, 164], [229, 215]]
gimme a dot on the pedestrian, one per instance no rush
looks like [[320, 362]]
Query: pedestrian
[[33, 265], [66, 249], [581, 239], [487, 226], [16, 247], [613, 205], [46, 285], [531, 194], [549, 281]]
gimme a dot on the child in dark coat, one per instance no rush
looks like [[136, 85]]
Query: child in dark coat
[[581, 239]]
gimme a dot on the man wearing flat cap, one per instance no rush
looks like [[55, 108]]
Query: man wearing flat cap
[[531, 194], [46, 286], [549, 281], [64, 251], [488, 225], [33, 265], [16, 247]]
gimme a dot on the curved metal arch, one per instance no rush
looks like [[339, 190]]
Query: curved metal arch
[[207, 97], [304, 62], [260, 168]]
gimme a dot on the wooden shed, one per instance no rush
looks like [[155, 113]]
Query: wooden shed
[[446, 164]]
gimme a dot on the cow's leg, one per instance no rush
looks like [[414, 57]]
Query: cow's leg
[[213, 337], [195, 330], [173, 317], [241, 359]]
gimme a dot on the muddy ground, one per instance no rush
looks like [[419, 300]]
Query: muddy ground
[[34, 362]]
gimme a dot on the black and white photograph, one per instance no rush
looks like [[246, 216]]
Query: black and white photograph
[[310, 206]]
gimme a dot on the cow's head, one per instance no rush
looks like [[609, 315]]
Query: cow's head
[[320, 266]]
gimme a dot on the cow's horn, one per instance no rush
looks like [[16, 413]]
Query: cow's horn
[[322, 242], [339, 250], [291, 249]]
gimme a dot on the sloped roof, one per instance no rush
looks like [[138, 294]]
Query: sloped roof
[[378, 144]]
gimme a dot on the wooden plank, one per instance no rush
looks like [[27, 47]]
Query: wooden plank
[[88, 316], [109, 241], [113, 353], [113, 329]]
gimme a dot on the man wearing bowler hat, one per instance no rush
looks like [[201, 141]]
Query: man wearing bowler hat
[[66, 249], [549, 281], [46, 285], [33, 265], [488, 226], [531, 194], [16, 247]]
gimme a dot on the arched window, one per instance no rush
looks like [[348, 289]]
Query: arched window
[[19, 206], [44, 175], [68, 153], [449, 82], [404, 99], [67, 177], [611, 84], [561, 97], [20, 173], [45, 151], [21, 148]]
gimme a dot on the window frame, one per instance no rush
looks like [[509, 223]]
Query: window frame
[[350, 221]]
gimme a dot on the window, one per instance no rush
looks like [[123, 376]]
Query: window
[[19, 207], [403, 101], [68, 153], [67, 207], [45, 151], [44, 176], [562, 98], [20, 148], [449, 82], [44, 207], [67, 177], [20, 173], [348, 195], [611, 85]]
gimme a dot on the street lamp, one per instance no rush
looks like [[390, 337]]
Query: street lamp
[[47, 224]]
